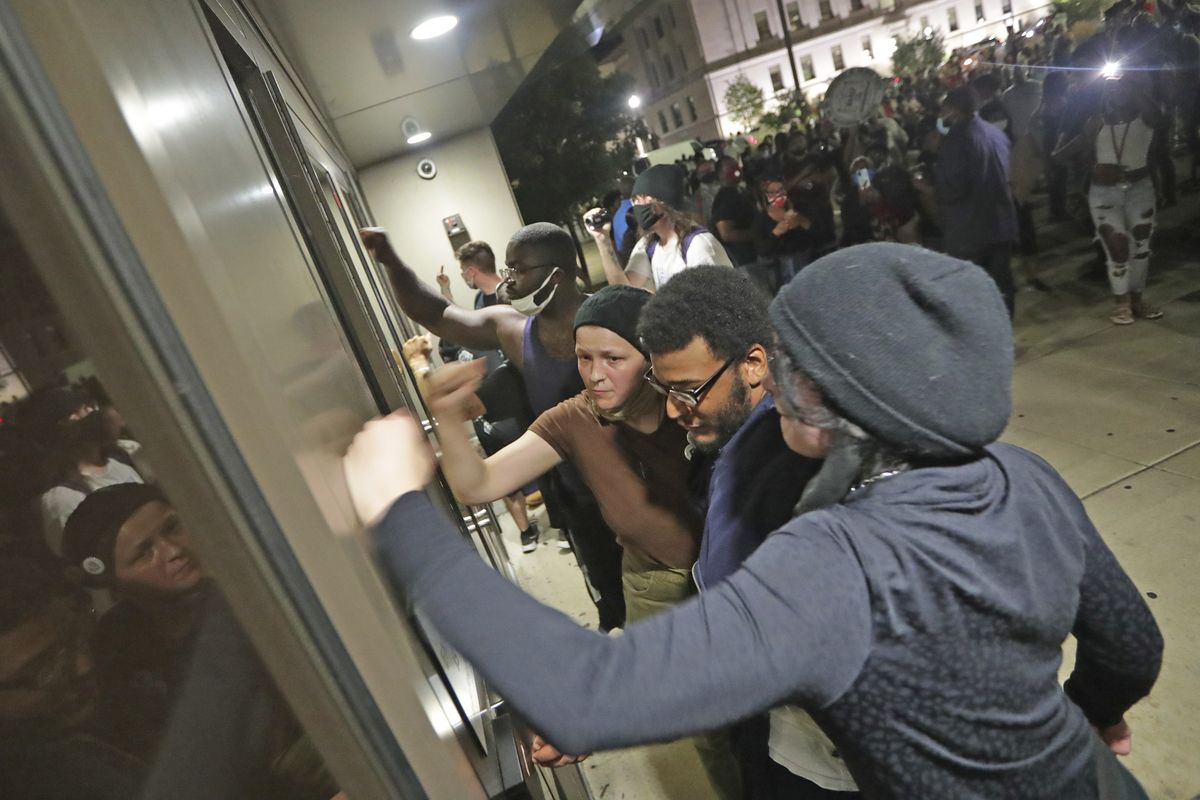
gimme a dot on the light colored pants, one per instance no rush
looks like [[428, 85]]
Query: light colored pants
[[651, 587], [1117, 212]]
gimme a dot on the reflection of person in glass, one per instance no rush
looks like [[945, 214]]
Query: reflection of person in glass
[[48, 694], [917, 605], [129, 540]]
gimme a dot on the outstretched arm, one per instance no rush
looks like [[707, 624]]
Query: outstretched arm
[[476, 329], [751, 642], [451, 392]]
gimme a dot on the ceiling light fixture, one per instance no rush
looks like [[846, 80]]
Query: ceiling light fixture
[[635, 101], [417, 138], [434, 27]]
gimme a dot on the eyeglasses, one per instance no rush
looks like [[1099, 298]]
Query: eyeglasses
[[689, 398], [54, 665], [508, 273]]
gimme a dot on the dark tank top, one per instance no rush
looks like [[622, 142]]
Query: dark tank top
[[548, 380]]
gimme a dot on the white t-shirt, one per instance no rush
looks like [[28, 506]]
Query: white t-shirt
[[669, 261], [58, 502]]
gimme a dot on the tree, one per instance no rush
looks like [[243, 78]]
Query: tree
[[790, 106], [1080, 10], [744, 101], [563, 134], [916, 54]]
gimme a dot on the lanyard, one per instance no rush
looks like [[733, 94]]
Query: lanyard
[[1112, 131]]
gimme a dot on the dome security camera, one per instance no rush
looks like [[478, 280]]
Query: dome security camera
[[426, 169]]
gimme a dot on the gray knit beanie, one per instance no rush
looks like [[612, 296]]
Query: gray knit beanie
[[913, 346]]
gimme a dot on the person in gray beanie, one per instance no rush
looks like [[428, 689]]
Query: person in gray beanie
[[916, 607], [671, 240]]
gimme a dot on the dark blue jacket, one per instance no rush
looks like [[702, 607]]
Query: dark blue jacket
[[972, 189], [755, 485]]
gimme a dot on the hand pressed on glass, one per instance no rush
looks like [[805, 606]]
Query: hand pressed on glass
[[388, 458]]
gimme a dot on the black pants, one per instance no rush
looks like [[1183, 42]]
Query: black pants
[[1162, 166], [996, 260], [573, 509], [1026, 232], [1056, 189]]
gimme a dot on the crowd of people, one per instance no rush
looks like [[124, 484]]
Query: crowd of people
[[825, 571], [1080, 120]]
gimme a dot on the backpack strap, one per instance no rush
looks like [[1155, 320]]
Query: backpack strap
[[683, 245]]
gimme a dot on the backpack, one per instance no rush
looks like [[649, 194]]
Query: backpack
[[683, 245]]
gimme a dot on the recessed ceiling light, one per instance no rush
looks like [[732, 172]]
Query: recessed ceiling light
[[417, 138], [434, 27]]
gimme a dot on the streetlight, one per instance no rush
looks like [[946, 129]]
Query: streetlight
[[635, 101]]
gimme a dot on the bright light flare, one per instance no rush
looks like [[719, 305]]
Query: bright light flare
[[417, 138], [635, 101], [1111, 71], [435, 27]]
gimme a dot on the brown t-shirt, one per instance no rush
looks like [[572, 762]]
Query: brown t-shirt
[[639, 480]]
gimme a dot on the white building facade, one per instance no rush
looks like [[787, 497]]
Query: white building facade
[[685, 53]]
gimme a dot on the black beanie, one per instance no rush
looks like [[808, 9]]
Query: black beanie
[[913, 346], [617, 308], [663, 182], [91, 531]]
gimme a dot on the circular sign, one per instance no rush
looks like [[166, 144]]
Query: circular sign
[[854, 96]]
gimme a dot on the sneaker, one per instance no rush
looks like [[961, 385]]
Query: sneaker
[[1143, 311], [563, 542], [1121, 315], [529, 538]]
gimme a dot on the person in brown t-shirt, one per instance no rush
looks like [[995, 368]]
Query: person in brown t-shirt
[[615, 433]]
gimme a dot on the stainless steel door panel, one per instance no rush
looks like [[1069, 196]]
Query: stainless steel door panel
[[150, 103]]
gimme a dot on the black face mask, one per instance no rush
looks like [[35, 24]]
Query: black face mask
[[646, 215], [708, 177]]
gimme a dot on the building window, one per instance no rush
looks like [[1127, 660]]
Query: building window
[[671, 16], [952, 18], [763, 24], [669, 67], [793, 16], [979, 16], [677, 115], [1006, 7], [806, 68], [691, 101], [658, 28], [856, 5], [683, 60], [776, 80], [867, 48], [839, 63], [662, 122], [653, 70], [826, 10]]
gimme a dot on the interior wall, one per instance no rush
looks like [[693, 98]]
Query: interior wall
[[470, 181]]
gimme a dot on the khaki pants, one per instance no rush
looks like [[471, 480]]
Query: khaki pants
[[651, 587]]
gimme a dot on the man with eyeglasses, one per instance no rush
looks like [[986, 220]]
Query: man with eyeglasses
[[534, 326], [709, 338], [48, 693]]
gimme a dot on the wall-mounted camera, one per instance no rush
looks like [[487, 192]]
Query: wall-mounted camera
[[426, 169]]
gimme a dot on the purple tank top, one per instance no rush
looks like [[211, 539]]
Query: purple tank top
[[548, 380]]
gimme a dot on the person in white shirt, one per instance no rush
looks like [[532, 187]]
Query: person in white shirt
[[672, 241], [85, 456]]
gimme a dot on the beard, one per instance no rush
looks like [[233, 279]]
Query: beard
[[729, 420]]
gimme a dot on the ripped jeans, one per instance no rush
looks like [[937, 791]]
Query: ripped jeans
[[1124, 221]]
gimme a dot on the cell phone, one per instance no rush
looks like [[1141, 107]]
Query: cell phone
[[598, 221], [862, 179]]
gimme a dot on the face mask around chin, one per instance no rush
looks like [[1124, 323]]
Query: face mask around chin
[[530, 305], [942, 126]]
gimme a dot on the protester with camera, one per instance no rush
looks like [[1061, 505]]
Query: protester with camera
[[671, 241]]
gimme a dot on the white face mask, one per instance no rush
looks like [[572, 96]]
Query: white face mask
[[529, 305], [942, 127]]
